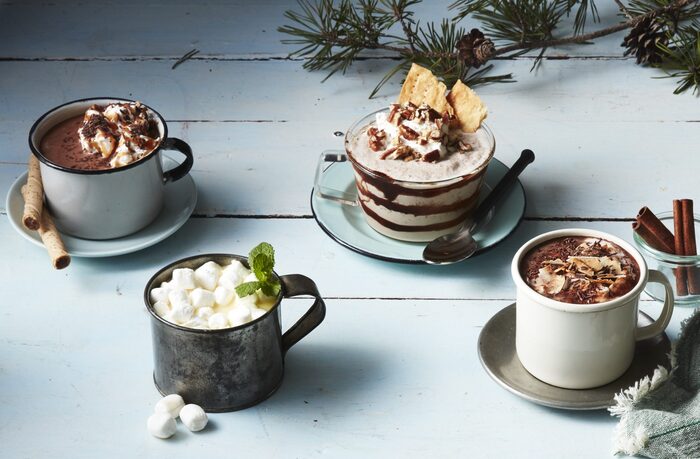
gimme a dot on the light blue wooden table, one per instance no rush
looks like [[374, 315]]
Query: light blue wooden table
[[393, 371]]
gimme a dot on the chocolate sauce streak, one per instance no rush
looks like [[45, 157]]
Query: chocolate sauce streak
[[414, 228], [419, 209], [391, 189]]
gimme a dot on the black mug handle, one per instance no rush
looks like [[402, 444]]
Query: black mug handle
[[176, 173], [295, 285]]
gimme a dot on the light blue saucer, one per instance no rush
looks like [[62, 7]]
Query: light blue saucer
[[179, 202], [347, 226]]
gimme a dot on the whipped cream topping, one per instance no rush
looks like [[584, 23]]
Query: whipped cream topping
[[120, 132], [595, 271], [411, 133]]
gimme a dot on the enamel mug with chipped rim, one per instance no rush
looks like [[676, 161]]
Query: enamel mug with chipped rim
[[580, 346]]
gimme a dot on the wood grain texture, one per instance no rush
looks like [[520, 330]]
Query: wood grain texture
[[393, 369], [243, 29]]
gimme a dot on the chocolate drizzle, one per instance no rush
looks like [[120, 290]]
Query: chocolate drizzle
[[414, 228]]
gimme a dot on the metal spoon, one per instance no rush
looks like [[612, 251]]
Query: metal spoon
[[460, 245]]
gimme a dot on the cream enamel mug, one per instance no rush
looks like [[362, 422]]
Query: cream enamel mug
[[579, 346]]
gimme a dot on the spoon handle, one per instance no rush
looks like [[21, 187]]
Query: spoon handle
[[506, 183]]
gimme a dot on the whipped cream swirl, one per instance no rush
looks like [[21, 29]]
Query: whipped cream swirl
[[412, 133], [120, 132]]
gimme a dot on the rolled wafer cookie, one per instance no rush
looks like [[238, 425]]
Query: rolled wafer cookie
[[34, 197], [51, 238]]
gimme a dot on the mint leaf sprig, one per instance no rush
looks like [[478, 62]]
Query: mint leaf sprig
[[261, 260]]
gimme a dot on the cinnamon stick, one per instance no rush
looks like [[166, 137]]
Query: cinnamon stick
[[689, 245], [51, 237], [655, 233], [34, 198], [679, 247]]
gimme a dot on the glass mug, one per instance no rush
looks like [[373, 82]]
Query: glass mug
[[405, 210]]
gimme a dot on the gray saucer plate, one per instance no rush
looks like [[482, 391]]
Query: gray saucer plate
[[180, 199], [347, 225], [497, 354]]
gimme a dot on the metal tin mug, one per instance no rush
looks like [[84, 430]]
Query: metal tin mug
[[231, 368], [111, 203]]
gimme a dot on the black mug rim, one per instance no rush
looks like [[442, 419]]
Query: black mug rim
[[242, 259], [45, 160]]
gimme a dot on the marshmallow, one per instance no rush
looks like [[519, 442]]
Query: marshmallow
[[205, 313], [248, 302], [161, 308], [257, 312], [239, 316], [250, 278], [194, 417], [183, 278], [160, 293], [197, 322], [218, 321], [177, 297], [223, 296], [233, 275], [208, 275], [170, 405], [201, 298], [182, 312], [161, 425]]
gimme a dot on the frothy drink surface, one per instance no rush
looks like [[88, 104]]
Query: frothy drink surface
[[61, 145], [581, 270]]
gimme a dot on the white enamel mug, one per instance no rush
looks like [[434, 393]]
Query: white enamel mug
[[579, 346], [111, 203]]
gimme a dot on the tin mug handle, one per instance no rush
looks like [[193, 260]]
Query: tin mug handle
[[295, 285], [325, 163]]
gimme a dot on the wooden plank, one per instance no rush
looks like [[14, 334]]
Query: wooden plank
[[302, 247], [244, 29], [559, 92], [268, 168], [375, 379]]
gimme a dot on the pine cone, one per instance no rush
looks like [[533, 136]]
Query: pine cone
[[643, 40], [475, 49]]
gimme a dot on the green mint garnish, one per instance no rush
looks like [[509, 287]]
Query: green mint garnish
[[261, 260]]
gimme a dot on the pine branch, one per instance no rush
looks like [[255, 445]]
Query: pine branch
[[333, 35]]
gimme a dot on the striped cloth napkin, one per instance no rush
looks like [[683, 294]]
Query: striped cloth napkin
[[660, 415]]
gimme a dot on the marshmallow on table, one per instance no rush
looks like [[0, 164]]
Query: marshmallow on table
[[223, 296], [183, 278], [170, 405], [208, 275], [201, 298], [194, 417], [161, 425], [218, 321]]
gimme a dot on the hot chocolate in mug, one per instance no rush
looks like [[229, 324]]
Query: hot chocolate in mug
[[579, 346]]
